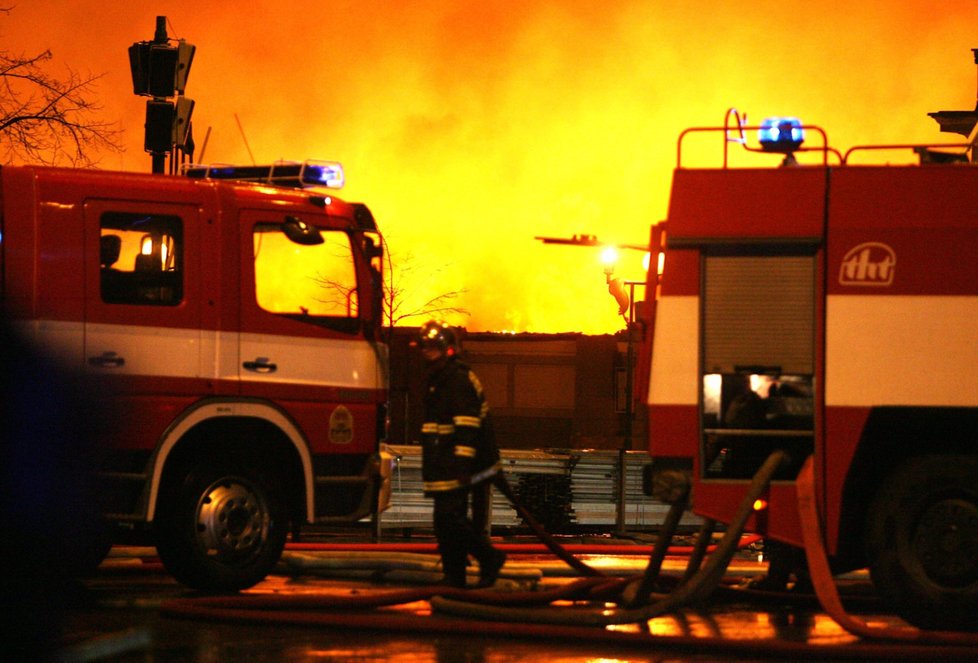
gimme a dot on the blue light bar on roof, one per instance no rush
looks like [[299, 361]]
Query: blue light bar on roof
[[781, 134], [327, 174]]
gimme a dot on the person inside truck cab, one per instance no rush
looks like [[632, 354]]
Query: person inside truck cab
[[109, 248], [113, 281]]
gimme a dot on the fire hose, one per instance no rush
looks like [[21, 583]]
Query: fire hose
[[690, 591], [531, 613], [825, 589]]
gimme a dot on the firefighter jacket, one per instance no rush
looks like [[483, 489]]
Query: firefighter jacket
[[458, 446]]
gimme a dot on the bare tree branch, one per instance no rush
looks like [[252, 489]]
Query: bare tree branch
[[50, 120], [402, 291], [405, 285]]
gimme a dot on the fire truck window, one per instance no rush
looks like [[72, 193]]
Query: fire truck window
[[746, 416], [313, 283], [141, 259], [758, 359]]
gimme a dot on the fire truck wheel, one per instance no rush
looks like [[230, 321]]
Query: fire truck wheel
[[221, 529], [922, 542]]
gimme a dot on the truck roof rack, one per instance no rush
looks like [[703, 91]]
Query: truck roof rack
[[296, 174]]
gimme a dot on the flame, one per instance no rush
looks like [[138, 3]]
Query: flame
[[471, 127]]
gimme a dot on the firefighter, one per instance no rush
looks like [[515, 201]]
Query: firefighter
[[459, 457]]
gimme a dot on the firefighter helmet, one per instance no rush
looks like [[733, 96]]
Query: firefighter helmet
[[437, 335]]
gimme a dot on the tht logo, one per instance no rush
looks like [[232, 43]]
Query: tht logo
[[870, 263]]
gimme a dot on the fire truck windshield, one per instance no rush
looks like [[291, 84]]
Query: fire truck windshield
[[309, 282]]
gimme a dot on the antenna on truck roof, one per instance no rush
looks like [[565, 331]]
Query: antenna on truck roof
[[245, 139]]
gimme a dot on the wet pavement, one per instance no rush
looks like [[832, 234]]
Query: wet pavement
[[363, 605]]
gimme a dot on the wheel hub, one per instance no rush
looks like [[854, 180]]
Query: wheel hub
[[232, 520], [946, 542]]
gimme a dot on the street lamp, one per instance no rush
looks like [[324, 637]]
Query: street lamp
[[609, 258]]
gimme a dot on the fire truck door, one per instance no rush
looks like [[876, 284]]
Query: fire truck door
[[301, 336], [758, 359], [142, 299]]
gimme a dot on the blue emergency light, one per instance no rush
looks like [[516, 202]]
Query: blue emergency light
[[781, 134], [310, 173]]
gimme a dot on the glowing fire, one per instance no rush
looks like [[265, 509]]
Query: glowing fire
[[471, 127]]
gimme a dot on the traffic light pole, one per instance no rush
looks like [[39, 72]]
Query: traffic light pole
[[159, 158], [159, 71], [159, 161]]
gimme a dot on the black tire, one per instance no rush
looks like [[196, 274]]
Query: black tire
[[221, 529], [922, 542]]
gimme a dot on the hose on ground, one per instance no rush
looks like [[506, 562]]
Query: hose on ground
[[496, 616], [411, 568], [503, 485], [699, 548], [690, 592], [652, 570], [825, 589], [600, 548]]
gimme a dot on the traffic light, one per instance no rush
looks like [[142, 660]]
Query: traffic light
[[160, 117], [139, 67], [181, 121], [160, 70], [185, 57], [153, 68]]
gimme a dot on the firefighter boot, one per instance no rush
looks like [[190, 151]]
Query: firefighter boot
[[489, 568], [454, 578], [454, 562]]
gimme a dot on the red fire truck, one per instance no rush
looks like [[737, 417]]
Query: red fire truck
[[231, 318], [827, 310]]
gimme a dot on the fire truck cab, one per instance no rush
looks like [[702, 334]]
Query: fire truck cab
[[826, 310], [229, 320]]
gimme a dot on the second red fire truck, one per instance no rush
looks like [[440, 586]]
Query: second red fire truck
[[830, 311]]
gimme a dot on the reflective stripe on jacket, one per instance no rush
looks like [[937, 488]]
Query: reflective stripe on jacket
[[458, 446]]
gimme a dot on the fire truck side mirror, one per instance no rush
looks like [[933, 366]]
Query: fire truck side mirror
[[301, 232], [372, 249]]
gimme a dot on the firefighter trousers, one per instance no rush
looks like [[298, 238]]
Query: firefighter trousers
[[460, 536]]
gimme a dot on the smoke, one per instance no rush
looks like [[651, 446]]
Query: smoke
[[470, 127]]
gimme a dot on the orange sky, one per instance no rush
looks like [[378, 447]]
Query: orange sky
[[469, 127]]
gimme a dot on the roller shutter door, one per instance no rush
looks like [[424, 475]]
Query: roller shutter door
[[759, 311]]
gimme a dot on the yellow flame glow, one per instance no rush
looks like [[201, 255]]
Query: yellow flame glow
[[471, 127]]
